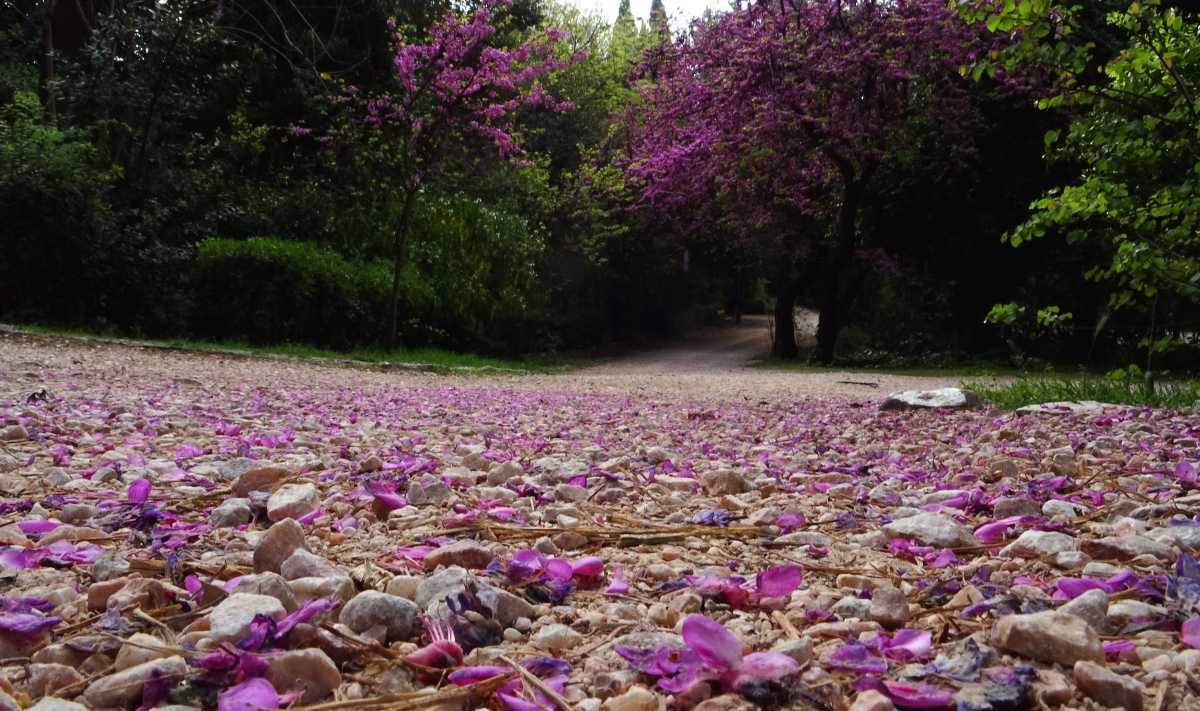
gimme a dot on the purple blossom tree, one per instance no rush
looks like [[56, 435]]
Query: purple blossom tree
[[780, 112], [455, 91]]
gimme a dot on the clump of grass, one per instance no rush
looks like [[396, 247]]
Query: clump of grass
[[1118, 391]]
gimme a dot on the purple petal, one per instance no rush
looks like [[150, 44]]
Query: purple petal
[[472, 675], [513, 702], [27, 623], [715, 645], [248, 696], [306, 612], [36, 526], [857, 657], [908, 645], [193, 584], [768, 666], [780, 581], [589, 567], [619, 585], [311, 516], [155, 689], [1186, 471], [558, 569], [139, 491], [1190, 632]]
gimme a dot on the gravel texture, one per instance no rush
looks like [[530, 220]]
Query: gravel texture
[[672, 530]]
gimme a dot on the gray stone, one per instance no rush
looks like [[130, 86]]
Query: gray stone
[[1035, 544], [118, 690], [464, 554], [304, 564], [372, 608], [571, 492], [1123, 611], [231, 512], [511, 608], [271, 584], [50, 703], [449, 582], [1056, 508], [1016, 506], [1048, 637], [293, 501], [44, 679], [1085, 407], [930, 529], [433, 493], [798, 649], [1126, 548], [503, 472], [1112, 690], [77, 513], [556, 638], [236, 467], [1069, 560], [404, 586], [951, 398], [849, 607], [805, 538], [340, 589], [309, 669], [15, 433], [889, 607], [277, 545], [1092, 608], [108, 567], [230, 620], [139, 649], [724, 481]]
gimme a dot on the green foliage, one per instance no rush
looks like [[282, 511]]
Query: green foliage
[[1121, 390], [267, 291], [58, 229], [1135, 134]]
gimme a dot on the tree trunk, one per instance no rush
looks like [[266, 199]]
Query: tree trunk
[[49, 107], [400, 245], [841, 257], [737, 299], [785, 325]]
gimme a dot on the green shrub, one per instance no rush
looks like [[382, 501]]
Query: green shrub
[[268, 291]]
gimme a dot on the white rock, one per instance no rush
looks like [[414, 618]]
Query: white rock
[[293, 501], [954, 398], [230, 620], [557, 638]]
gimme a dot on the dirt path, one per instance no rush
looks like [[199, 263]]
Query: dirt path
[[714, 365]]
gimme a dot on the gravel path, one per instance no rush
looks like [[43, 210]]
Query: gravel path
[[715, 364]]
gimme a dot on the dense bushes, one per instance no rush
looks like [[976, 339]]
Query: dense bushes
[[264, 290]]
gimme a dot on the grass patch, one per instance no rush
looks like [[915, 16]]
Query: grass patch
[[431, 356], [973, 369], [1035, 390]]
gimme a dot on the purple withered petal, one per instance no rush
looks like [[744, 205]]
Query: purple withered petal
[[619, 585], [1190, 632], [545, 667], [248, 696], [27, 623], [466, 676], [767, 666], [588, 567], [38, 526], [716, 646], [155, 690], [907, 645], [780, 581], [858, 657], [139, 491]]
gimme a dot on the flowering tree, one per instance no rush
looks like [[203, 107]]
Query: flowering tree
[[789, 108], [455, 91]]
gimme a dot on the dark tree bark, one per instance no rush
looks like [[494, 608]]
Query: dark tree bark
[[842, 255], [401, 246], [49, 107], [785, 302]]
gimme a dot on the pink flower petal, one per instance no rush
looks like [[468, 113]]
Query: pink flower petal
[[619, 585], [1190, 633], [248, 696], [715, 645]]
